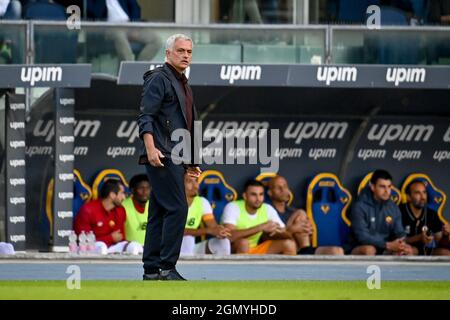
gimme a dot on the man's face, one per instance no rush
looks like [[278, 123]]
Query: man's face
[[141, 193], [254, 197], [382, 189], [279, 190], [190, 186], [418, 195], [117, 198], [181, 55]]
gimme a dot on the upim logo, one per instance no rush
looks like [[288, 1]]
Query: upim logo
[[17, 182], [66, 176], [67, 120], [65, 214], [128, 130], [66, 139], [17, 219], [44, 74], [17, 163], [17, 144], [65, 102], [233, 73], [315, 130], [228, 129], [65, 195], [83, 128], [400, 75], [66, 158], [64, 233], [394, 132], [17, 125], [340, 74], [17, 238], [17, 200], [17, 106]]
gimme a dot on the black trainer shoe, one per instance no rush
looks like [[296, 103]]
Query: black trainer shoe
[[171, 274], [151, 276]]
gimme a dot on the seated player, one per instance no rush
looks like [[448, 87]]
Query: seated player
[[106, 218], [255, 226], [377, 221], [136, 208], [296, 220], [201, 211]]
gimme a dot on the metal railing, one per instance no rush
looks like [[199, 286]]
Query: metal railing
[[105, 44]]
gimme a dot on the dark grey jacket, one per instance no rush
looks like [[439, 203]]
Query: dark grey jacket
[[162, 110], [375, 223]]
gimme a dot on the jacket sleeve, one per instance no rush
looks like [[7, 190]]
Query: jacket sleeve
[[361, 229], [82, 221], [152, 97], [399, 230]]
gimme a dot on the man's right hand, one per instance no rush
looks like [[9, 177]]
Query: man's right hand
[[219, 232], [117, 236], [396, 245], [271, 228], [154, 156]]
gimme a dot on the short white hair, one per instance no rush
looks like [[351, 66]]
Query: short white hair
[[173, 38]]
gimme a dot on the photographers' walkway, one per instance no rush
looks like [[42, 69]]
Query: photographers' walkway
[[50, 266]]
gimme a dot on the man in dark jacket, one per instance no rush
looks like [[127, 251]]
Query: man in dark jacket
[[377, 221], [167, 105]]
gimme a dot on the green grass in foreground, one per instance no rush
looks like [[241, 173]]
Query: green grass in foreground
[[206, 290]]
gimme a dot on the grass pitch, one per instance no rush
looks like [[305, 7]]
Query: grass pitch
[[223, 290]]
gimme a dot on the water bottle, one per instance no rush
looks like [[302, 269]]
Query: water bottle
[[83, 242], [73, 246], [429, 247], [91, 241]]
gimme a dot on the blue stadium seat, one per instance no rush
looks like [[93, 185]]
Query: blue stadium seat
[[436, 197], [264, 178], [82, 192], [105, 175], [395, 196], [212, 186], [327, 202]]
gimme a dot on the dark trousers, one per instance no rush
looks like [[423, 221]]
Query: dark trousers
[[166, 217]]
